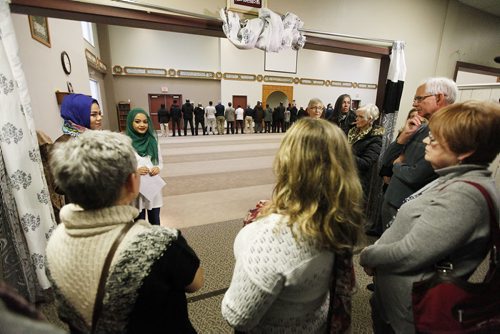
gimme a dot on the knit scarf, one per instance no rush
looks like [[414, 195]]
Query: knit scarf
[[144, 144], [72, 129]]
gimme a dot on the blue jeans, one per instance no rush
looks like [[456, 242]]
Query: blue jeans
[[153, 216]]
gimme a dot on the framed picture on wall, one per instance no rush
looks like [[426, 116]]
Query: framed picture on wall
[[39, 28], [284, 61], [246, 6]]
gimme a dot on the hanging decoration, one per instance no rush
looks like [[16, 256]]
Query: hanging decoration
[[268, 32], [395, 78]]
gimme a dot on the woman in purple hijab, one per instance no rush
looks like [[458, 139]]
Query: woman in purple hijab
[[80, 112]]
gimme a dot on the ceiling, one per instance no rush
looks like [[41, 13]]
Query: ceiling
[[488, 6]]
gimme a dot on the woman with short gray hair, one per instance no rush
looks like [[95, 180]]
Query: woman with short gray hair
[[152, 267], [366, 141]]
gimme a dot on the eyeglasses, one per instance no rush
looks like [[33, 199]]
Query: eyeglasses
[[419, 99], [317, 108]]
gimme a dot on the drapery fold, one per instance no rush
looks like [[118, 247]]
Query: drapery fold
[[268, 32], [25, 197], [395, 78]]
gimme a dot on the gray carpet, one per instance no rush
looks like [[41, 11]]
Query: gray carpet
[[214, 245]]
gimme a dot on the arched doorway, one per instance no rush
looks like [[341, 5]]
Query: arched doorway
[[274, 94]]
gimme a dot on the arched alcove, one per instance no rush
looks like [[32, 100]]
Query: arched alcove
[[274, 94], [275, 98]]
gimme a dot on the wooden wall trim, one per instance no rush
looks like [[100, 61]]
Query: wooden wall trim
[[382, 80], [83, 11], [355, 49], [475, 68]]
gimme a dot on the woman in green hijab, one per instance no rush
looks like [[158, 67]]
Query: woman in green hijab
[[149, 161]]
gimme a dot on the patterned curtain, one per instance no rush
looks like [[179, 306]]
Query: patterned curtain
[[394, 89], [25, 210]]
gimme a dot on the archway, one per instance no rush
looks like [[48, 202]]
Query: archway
[[274, 94], [275, 98]]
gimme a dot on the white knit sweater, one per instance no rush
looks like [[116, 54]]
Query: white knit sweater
[[78, 247], [279, 285]]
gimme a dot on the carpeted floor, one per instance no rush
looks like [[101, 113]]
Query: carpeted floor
[[213, 244]]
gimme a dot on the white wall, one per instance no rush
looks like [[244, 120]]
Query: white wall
[[43, 69], [468, 78], [161, 49], [488, 92], [310, 64]]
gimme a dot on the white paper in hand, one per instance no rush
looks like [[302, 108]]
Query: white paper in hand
[[151, 186]]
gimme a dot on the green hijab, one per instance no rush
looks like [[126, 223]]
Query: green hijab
[[144, 144]]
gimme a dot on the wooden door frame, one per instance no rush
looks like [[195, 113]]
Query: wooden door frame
[[235, 104]]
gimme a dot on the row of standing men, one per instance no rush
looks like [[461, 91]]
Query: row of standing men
[[213, 119]]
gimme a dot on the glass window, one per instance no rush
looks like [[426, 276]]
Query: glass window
[[87, 32], [96, 93]]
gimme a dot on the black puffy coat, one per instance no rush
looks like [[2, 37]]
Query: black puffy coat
[[366, 152]]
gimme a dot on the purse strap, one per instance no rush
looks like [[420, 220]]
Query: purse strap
[[494, 229], [104, 275]]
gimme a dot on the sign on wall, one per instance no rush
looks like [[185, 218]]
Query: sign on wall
[[246, 6]]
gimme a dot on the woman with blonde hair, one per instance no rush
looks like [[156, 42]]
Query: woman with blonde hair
[[284, 260]]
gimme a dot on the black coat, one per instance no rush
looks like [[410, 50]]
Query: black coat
[[345, 123], [219, 110], [199, 113], [366, 152], [187, 111], [163, 116], [280, 110], [175, 112], [293, 114]]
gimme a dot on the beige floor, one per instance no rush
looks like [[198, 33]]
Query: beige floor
[[215, 178]]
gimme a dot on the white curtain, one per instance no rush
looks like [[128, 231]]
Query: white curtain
[[23, 180]]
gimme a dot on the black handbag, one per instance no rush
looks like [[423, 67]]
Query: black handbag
[[448, 304]]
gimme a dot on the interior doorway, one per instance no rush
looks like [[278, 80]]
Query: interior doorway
[[156, 100], [239, 100]]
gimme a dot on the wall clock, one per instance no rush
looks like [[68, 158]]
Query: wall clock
[[66, 62]]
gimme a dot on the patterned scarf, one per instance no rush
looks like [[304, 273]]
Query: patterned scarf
[[72, 129], [356, 134], [144, 144], [341, 289]]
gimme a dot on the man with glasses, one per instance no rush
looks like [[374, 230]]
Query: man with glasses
[[406, 154]]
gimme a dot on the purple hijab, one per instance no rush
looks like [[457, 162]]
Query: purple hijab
[[76, 108]]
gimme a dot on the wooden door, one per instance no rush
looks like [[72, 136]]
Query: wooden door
[[155, 102], [239, 100]]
